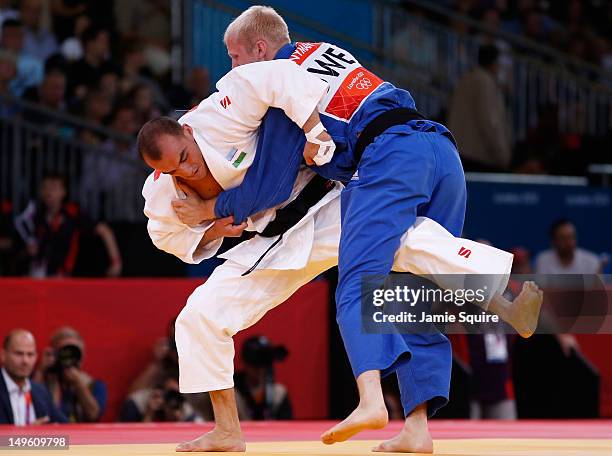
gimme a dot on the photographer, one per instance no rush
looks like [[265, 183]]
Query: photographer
[[163, 365], [162, 403], [80, 397], [263, 397]]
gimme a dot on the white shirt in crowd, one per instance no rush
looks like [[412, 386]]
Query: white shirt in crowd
[[21, 400], [585, 262]]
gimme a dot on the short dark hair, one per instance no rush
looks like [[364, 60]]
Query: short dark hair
[[151, 131], [90, 34], [487, 55], [11, 23], [56, 176], [6, 342], [558, 224]]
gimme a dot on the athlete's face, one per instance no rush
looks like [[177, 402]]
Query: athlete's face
[[241, 53], [180, 156]]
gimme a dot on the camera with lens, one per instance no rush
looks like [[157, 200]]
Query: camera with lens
[[173, 399], [66, 357], [259, 352]]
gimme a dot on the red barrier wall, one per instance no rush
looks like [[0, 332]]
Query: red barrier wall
[[120, 321]]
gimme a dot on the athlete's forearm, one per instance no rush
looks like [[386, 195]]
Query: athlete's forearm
[[313, 120]]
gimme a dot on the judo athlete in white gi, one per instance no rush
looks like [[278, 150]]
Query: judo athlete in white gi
[[251, 40], [212, 150]]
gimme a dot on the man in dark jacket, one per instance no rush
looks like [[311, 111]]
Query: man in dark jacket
[[22, 401]]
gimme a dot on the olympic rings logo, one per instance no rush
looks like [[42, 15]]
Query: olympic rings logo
[[365, 83]]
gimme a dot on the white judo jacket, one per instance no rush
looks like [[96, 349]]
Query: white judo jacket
[[225, 126]]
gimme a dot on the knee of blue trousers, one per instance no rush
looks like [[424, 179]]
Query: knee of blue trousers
[[426, 378]]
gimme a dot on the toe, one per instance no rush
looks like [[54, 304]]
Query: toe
[[380, 448], [327, 438], [183, 447]]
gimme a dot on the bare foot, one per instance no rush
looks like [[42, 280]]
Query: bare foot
[[405, 442], [214, 440], [414, 437], [362, 418], [524, 312]]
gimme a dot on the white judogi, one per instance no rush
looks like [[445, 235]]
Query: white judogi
[[229, 302]]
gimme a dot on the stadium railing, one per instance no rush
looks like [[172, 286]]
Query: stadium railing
[[35, 141], [537, 76]]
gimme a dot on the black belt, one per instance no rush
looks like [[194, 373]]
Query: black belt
[[293, 212], [288, 216], [388, 119]]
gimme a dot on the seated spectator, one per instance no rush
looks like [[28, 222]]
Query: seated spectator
[[29, 68], [113, 166], [264, 398], [521, 263], [80, 397], [38, 41], [8, 72], [141, 98], [123, 120], [198, 85], [72, 46], [65, 13], [96, 108], [110, 84], [52, 231], [51, 91], [22, 401], [477, 116], [7, 11], [148, 21], [84, 74], [136, 72], [196, 89], [51, 95], [566, 257]]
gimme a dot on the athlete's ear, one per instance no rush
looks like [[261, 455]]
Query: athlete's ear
[[261, 48], [187, 131]]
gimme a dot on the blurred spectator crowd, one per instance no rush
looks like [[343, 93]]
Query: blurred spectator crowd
[[54, 388], [107, 62], [580, 28]]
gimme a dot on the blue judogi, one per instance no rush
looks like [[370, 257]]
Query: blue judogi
[[410, 170]]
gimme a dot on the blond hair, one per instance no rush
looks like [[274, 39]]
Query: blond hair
[[258, 23]]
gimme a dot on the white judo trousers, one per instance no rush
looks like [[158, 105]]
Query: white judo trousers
[[228, 302]]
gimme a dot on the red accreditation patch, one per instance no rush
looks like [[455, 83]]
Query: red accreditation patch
[[349, 82], [303, 51], [355, 88]]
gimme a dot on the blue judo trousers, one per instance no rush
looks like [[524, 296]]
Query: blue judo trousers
[[410, 170]]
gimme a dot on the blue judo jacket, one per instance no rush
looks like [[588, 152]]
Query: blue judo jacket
[[269, 180]]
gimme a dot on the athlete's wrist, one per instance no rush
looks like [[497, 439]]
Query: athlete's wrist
[[207, 209]]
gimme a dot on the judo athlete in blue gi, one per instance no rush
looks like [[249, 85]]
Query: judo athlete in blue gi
[[409, 169], [396, 165]]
